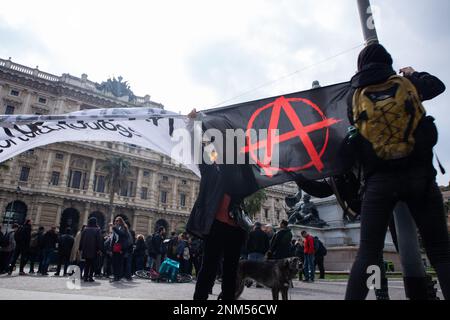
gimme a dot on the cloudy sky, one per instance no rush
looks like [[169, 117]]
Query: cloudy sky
[[199, 54]]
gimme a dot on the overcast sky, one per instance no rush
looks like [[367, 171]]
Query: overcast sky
[[188, 54]]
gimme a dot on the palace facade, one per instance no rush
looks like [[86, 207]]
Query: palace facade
[[64, 184]]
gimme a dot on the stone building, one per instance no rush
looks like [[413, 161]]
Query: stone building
[[63, 184]]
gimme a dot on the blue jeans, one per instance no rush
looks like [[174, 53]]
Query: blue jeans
[[255, 256], [309, 267], [150, 261], [47, 255]]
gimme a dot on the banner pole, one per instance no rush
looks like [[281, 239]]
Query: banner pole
[[367, 22]]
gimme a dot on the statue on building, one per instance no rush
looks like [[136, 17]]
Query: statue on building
[[303, 212], [117, 88]]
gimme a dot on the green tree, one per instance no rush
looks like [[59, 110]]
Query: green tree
[[117, 169], [4, 165], [254, 202]]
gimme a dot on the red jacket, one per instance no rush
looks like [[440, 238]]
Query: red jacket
[[309, 245]]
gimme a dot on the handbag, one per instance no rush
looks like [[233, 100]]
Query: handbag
[[241, 218], [117, 248]]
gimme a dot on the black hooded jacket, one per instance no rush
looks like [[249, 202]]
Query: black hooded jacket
[[375, 67], [217, 180]]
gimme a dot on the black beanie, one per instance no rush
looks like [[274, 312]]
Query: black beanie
[[374, 53]]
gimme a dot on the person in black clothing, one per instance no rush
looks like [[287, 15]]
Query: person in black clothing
[[64, 249], [411, 180], [49, 242], [119, 243], [319, 256], [257, 243], [90, 246], [210, 219], [299, 251], [158, 247], [36, 249], [280, 245], [196, 253], [139, 252], [22, 238]]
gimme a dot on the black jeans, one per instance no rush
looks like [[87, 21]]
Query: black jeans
[[222, 239], [63, 259], [117, 265], [23, 252], [319, 263], [424, 199], [89, 268]]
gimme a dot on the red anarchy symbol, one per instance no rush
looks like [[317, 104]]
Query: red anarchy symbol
[[300, 131]]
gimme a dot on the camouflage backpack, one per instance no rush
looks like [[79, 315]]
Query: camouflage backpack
[[387, 115]]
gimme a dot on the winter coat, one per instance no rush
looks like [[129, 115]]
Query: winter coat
[[308, 245], [23, 237], [12, 242], [65, 244], [258, 242], [182, 244], [280, 246], [120, 235], [139, 251], [49, 240], [216, 181], [91, 242], [375, 67], [75, 255]]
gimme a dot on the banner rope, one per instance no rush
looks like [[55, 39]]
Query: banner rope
[[271, 82]]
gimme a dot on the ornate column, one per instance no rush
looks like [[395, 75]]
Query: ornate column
[[85, 214], [91, 175], [58, 216], [66, 170], [46, 174], [139, 182], [37, 219], [175, 193], [134, 222]]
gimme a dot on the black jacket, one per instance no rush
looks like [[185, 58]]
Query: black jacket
[[91, 242], [217, 180], [140, 248], [280, 246], [258, 242], [372, 71], [65, 244], [23, 236], [49, 240]]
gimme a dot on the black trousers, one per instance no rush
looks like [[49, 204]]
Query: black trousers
[[63, 259], [117, 265], [424, 199], [319, 263], [89, 268], [24, 254], [222, 239]]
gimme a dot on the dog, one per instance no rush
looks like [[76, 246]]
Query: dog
[[274, 274]]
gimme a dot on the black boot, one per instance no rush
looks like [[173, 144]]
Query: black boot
[[383, 293], [416, 288], [431, 290]]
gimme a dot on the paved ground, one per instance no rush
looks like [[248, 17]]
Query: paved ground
[[52, 288]]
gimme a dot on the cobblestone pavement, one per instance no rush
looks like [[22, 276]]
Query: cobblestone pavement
[[53, 288]]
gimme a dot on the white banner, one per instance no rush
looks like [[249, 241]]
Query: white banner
[[146, 127]]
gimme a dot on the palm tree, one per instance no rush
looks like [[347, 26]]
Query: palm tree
[[117, 168], [5, 165], [254, 202]]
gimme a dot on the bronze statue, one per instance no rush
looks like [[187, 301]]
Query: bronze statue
[[303, 213]]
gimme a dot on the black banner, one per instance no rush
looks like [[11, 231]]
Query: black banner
[[311, 138]]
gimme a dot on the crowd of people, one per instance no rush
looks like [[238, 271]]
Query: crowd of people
[[116, 253], [119, 253]]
